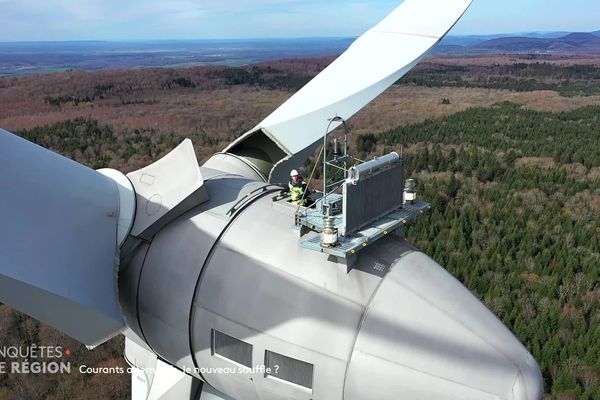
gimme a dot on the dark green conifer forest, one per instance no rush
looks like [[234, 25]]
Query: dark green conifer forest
[[515, 215]]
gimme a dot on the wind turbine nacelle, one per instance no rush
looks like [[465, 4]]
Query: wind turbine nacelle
[[227, 287], [212, 278]]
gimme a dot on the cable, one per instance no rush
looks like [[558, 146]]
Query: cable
[[312, 174]]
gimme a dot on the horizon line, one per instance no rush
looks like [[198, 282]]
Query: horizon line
[[276, 38]]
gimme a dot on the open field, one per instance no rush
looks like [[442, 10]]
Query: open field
[[217, 112], [222, 103]]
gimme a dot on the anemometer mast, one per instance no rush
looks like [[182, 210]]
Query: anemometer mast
[[367, 204], [335, 162]]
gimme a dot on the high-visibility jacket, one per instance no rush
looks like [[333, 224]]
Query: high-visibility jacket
[[298, 190]]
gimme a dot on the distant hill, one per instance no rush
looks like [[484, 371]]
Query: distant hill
[[574, 43], [464, 41], [542, 35], [27, 58]]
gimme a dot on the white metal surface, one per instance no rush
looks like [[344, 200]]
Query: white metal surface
[[126, 200], [169, 379], [139, 384], [235, 165], [210, 393], [163, 187], [425, 336], [414, 332], [329, 239], [58, 241], [166, 285], [372, 63], [370, 167], [154, 379], [410, 196], [261, 287], [143, 368]]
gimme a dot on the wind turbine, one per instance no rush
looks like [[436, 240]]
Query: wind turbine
[[214, 282]]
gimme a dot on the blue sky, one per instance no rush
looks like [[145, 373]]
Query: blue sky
[[22, 20]]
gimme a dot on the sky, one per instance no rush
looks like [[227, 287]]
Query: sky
[[40, 20]]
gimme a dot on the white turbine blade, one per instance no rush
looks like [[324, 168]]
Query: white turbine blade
[[58, 241], [62, 225], [372, 63]]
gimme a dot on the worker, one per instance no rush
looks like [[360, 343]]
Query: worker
[[298, 189]]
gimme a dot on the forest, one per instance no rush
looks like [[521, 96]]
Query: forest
[[515, 197], [512, 174], [516, 217], [568, 80]]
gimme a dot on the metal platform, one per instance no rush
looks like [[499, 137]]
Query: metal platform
[[313, 217], [350, 245]]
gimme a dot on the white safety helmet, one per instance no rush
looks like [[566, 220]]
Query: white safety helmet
[[294, 173]]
